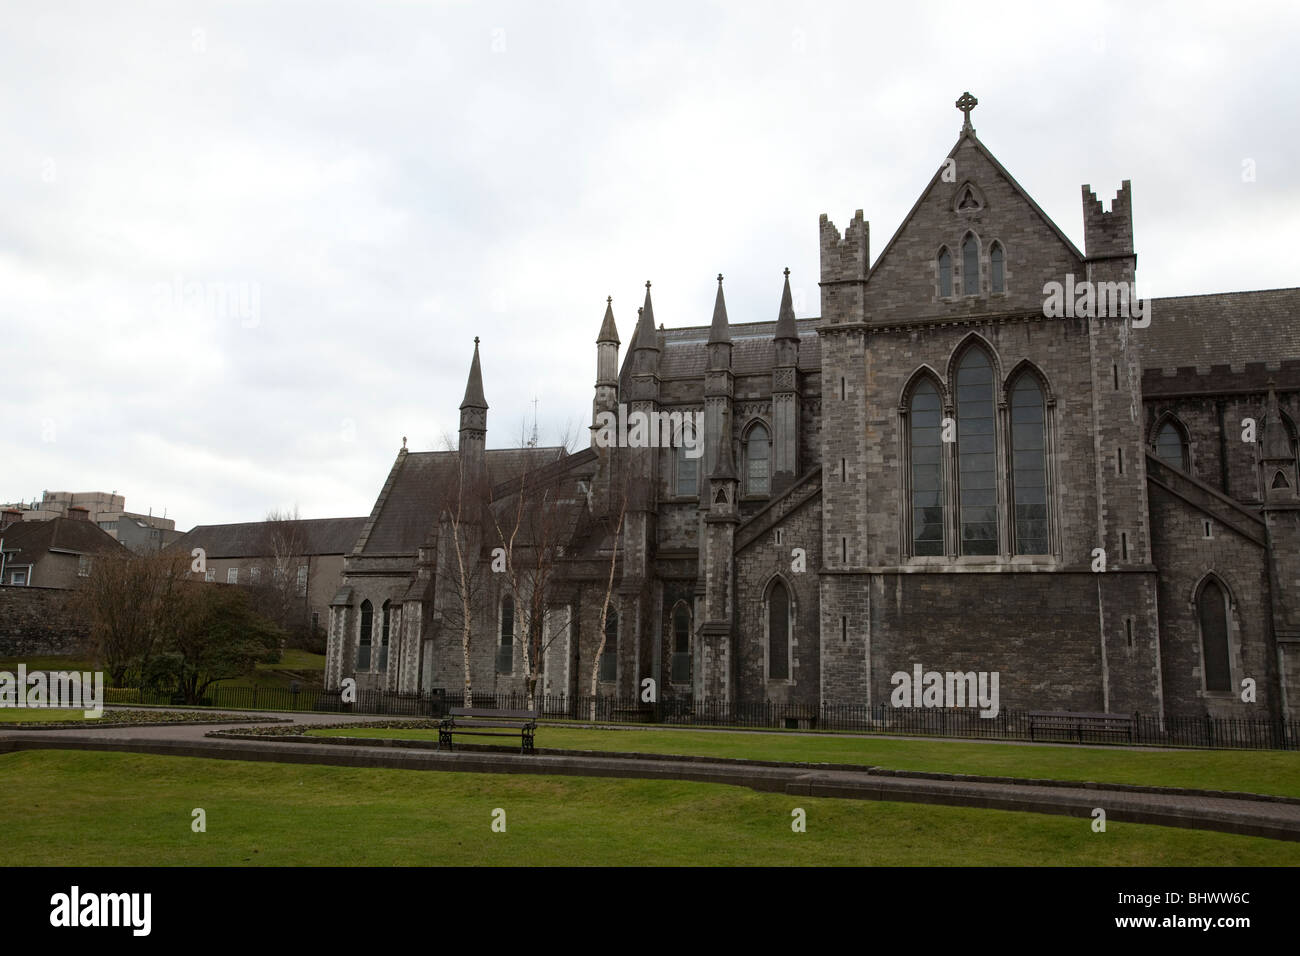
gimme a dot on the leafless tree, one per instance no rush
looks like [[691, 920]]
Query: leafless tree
[[618, 502], [131, 603], [284, 544], [463, 511], [532, 523]]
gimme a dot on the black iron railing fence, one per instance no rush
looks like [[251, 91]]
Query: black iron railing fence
[[1148, 729]]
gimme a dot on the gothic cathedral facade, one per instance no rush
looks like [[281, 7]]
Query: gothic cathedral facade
[[951, 467]]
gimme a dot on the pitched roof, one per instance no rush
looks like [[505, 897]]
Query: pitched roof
[[968, 133], [1230, 328], [252, 539], [26, 542], [753, 349], [407, 510]]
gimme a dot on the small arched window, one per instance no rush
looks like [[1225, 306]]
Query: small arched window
[[758, 454], [1170, 446], [681, 668], [1029, 465], [976, 454], [506, 649], [925, 421], [386, 618], [997, 269], [970, 266], [778, 632], [609, 654], [1212, 608], [366, 638], [945, 273]]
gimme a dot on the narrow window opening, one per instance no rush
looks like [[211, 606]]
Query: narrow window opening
[[1208, 530], [843, 470], [1119, 459], [1114, 371], [1128, 626], [842, 388], [945, 274], [844, 630], [1123, 545], [844, 550]]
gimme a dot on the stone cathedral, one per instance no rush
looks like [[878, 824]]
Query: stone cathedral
[[943, 470]]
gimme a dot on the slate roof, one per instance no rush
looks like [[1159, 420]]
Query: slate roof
[[251, 539], [26, 542], [408, 507], [753, 347], [1230, 328]]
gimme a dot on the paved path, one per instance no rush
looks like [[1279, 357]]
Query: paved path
[[1278, 820]]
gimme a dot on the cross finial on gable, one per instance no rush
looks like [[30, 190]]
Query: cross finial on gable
[[966, 103]]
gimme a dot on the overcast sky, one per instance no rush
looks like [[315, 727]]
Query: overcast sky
[[245, 248]]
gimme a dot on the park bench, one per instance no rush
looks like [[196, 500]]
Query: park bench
[[1058, 722], [488, 722]]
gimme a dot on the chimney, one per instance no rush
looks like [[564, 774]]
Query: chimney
[[10, 516], [79, 513]]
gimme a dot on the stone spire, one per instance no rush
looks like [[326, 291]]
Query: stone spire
[[1276, 444], [725, 469], [720, 332], [608, 331], [646, 337], [474, 387], [785, 326], [473, 420]]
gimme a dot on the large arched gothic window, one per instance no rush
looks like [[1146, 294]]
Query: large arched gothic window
[[1029, 465], [681, 667], [977, 482], [506, 649], [758, 455], [1212, 608], [609, 655], [945, 273], [926, 420], [778, 632], [970, 266], [1171, 447], [366, 638]]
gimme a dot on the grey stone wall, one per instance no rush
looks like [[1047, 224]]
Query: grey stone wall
[[37, 622]]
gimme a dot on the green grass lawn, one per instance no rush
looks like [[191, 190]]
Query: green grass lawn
[[34, 715], [135, 809], [1271, 771]]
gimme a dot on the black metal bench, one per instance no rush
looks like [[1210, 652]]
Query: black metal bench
[[1079, 724], [487, 722]]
